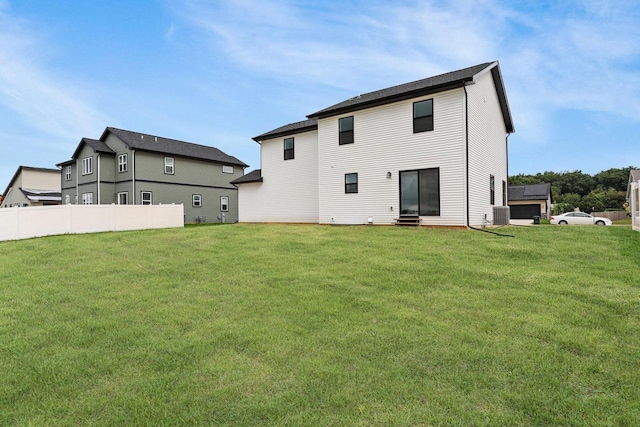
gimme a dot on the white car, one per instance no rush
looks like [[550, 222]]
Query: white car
[[579, 218]]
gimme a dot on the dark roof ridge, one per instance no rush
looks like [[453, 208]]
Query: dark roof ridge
[[390, 94]]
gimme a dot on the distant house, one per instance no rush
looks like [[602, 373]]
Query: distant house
[[126, 167], [32, 187], [527, 201], [633, 196], [434, 150]]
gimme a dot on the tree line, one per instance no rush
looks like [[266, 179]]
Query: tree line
[[606, 190]]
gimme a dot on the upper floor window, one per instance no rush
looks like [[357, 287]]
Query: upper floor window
[[146, 198], [345, 125], [492, 189], [87, 165], [169, 164], [122, 163], [351, 183], [196, 200], [227, 169], [423, 116], [288, 148], [67, 173], [224, 203]]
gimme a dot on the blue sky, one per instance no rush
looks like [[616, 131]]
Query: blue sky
[[220, 72]]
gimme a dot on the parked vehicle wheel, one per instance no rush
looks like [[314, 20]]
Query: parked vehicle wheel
[[600, 223], [562, 223]]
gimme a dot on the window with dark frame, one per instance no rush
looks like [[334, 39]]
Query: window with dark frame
[[146, 198], [504, 193], [345, 125], [351, 183], [423, 116], [197, 200], [224, 203], [289, 148], [492, 189]]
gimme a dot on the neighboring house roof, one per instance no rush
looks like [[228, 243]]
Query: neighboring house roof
[[634, 176], [529, 192], [21, 168], [253, 176], [42, 195], [422, 87], [158, 144], [290, 129]]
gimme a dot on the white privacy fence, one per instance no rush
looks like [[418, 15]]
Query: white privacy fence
[[26, 222]]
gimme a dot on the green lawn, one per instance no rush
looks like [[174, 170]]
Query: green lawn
[[317, 325]]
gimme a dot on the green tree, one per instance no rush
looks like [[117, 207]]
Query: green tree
[[616, 178], [593, 202]]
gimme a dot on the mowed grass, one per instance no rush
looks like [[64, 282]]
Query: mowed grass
[[318, 326]]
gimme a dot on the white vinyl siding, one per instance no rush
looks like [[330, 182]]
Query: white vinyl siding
[[289, 192], [385, 142], [487, 147]]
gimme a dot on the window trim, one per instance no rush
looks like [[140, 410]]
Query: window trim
[[346, 137], [504, 193], [198, 203], [224, 207], [227, 169], [169, 164], [87, 198], [126, 197], [289, 153], [350, 187], [416, 119], [67, 173], [492, 190], [87, 165], [122, 162], [436, 171], [142, 200]]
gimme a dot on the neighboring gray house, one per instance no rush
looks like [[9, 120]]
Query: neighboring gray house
[[32, 187], [527, 201], [126, 167], [633, 196], [432, 152]]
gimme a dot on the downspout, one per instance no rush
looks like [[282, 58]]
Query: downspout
[[466, 136], [99, 201], [77, 182], [466, 124], [133, 175]]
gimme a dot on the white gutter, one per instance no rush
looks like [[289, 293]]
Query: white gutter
[[98, 179], [133, 175]]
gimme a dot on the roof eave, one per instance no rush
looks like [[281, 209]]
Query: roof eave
[[270, 135]]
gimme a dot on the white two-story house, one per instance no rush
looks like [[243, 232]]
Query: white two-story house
[[434, 149]]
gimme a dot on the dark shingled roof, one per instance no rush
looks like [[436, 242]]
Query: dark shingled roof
[[290, 129], [439, 83], [97, 145], [529, 192], [158, 144], [253, 176]]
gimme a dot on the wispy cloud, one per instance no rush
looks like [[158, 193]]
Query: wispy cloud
[[576, 55], [55, 105]]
